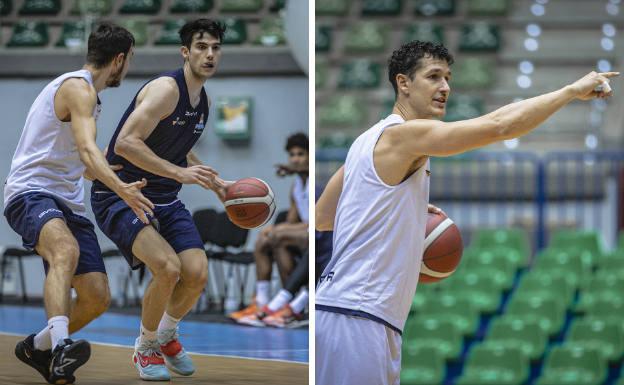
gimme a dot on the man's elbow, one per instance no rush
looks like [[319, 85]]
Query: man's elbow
[[323, 222], [121, 147]]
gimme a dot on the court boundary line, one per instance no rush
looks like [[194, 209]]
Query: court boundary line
[[199, 354]]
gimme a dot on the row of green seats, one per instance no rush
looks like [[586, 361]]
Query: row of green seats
[[374, 36], [35, 34], [471, 73], [349, 111], [104, 7], [421, 7]]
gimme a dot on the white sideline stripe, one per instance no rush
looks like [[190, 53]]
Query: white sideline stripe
[[198, 354], [424, 269]]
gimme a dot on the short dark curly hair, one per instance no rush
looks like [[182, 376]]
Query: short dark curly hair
[[407, 59], [297, 140], [214, 28]]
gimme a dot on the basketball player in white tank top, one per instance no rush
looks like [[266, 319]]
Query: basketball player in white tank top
[[377, 203], [43, 198]]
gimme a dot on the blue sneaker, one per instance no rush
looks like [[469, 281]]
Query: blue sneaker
[[176, 358], [149, 362]]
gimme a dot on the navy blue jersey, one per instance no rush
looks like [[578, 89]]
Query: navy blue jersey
[[172, 139]]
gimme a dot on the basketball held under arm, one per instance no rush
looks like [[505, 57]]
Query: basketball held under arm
[[327, 205]]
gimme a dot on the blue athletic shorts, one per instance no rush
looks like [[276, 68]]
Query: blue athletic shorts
[[119, 223], [28, 212]]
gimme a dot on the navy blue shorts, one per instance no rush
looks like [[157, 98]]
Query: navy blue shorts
[[28, 212], [121, 225]]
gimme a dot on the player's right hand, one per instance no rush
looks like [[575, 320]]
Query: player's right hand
[[585, 87], [199, 174], [131, 194]]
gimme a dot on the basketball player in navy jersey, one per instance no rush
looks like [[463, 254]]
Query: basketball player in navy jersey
[[44, 201], [376, 204], [153, 141]]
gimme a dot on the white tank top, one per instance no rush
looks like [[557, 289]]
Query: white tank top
[[46, 158], [300, 196], [379, 233]]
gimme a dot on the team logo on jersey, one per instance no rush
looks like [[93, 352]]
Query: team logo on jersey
[[187, 113], [428, 172], [327, 277], [199, 127], [178, 122]]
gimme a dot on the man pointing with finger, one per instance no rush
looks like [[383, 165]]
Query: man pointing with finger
[[153, 141], [377, 203]]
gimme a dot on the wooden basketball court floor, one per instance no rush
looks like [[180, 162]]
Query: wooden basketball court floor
[[223, 354]]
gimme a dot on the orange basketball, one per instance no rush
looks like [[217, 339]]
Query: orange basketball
[[443, 249], [249, 203]]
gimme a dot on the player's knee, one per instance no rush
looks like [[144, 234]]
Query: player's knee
[[197, 278], [168, 270], [101, 301], [64, 257]]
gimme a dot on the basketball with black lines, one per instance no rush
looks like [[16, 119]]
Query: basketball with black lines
[[443, 249], [249, 203]]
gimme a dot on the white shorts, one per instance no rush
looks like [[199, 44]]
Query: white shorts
[[355, 351]]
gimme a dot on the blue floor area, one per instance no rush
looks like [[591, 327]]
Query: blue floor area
[[197, 337]]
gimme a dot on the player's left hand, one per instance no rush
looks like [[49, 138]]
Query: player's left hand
[[434, 209]]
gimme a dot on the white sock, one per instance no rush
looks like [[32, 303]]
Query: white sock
[[300, 301], [168, 322], [262, 292], [280, 300], [43, 340], [146, 335], [58, 327]]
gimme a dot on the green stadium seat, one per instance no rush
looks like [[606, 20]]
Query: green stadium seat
[[366, 36], [586, 241], [169, 33], [604, 284], [191, 6], [277, 5], [242, 6], [525, 335], [613, 260], [271, 32], [341, 111], [502, 270], [495, 365], [337, 139], [40, 7], [423, 292], [490, 254], [514, 238], [138, 28], [236, 32], [547, 312], [473, 73], [488, 7], [381, 8], [607, 308], [606, 338], [6, 6], [332, 7], [479, 37], [72, 35], [92, 7], [546, 284], [150, 7], [620, 381], [569, 262], [437, 334], [435, 7], [483, 291], [29, 34], [462, 107], [422, 366], [424, 31], [323, 38], [574, 366], [321, 71], [360, 73], [457, 308], [621, 241]]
